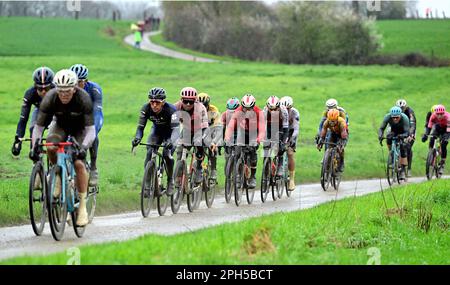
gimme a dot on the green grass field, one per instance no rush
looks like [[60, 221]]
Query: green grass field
[[126, 75], [365, 230], [429, 37]]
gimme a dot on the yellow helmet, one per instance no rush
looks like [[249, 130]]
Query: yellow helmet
[[433, 108], [203, 98]]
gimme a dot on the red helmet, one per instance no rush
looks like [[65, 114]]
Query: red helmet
[[440, 109], [188, 93]]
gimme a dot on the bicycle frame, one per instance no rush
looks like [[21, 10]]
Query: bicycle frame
[[64, 160]]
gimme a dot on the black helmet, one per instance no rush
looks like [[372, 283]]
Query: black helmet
[[157, 93], [43, 76]]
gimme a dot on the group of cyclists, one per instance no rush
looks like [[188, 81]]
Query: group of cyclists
[[67, 103]]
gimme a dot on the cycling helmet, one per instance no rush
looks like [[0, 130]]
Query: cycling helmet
[[433, 108], [80, 70], [440, 109], [273, 102], [333, 115], [188, 93], [248, 101], [401, 103], [287, 102], [331, 103], [232, 103], [204, 98], [43, 76], [65, 78], [395, 111], [157, 93]]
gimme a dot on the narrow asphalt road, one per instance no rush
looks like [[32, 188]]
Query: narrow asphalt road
[[147, 45], [20, 240]]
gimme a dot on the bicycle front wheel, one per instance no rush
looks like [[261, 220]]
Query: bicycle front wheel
[[239, 178], [91, 202], [325, 175], [265, 180], [210, 190], [37, 198], [229, 179], [391, 169], [147, 189], [180, 182], [57, 207], [162, 200]]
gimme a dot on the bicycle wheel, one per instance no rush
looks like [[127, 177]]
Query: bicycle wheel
[[91, 202], [180, 183], [79, 231], [162, 200], [286, 176], [148, 188], [57, 208], [191, 197], [325, 175], [265, 179], [229, 179], [336, 175], [210, 185], [390, 169], [239, 178], [37, 198], [429, 166], [437, 164]]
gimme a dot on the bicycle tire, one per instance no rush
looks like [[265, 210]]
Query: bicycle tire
[[324, 174], [390, 169], [238, 182], [38, 215], [91, 202], [57, 210], [336, 175], [229, 179], [148, 188], [177, 198], [437, 164], [265, 179], [79, 231], [210, 185], [162, 200]]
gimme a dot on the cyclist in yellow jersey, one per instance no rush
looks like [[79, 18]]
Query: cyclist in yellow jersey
[[215, 130]]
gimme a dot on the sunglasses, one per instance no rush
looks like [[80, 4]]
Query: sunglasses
[[156, 101], [396, 117], [188, 102], [46, 88]]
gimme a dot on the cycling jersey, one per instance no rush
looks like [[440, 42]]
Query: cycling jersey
[[294, 122], [412, 120], [31, 97], [443, 123], [164, 122], [72, 118], [95, 92], [340, 128], [251, 121], [278, 119], [196, 119], [400, 128]]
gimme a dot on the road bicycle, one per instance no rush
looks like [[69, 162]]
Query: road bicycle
[[269, 176], [242, 175], [329, 174], [393, 167], [208, 184], [433, 164]]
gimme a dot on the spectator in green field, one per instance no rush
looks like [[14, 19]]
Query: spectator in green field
[[137, 39]]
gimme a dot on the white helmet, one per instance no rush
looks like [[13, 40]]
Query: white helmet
[[401, 103], [287, 102], [248, 101], [65, 79], [273, 102], [331, 103]]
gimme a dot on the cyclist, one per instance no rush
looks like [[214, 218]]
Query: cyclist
[[399, 124], [409, 112], [277, 129], [71, 110], [294, 125], [338, 134], [248, 119], [215, 130], [42, 77], [232, 105], [95, 92], [194, 119], [165, 129], [333, 104], [439, 125]]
